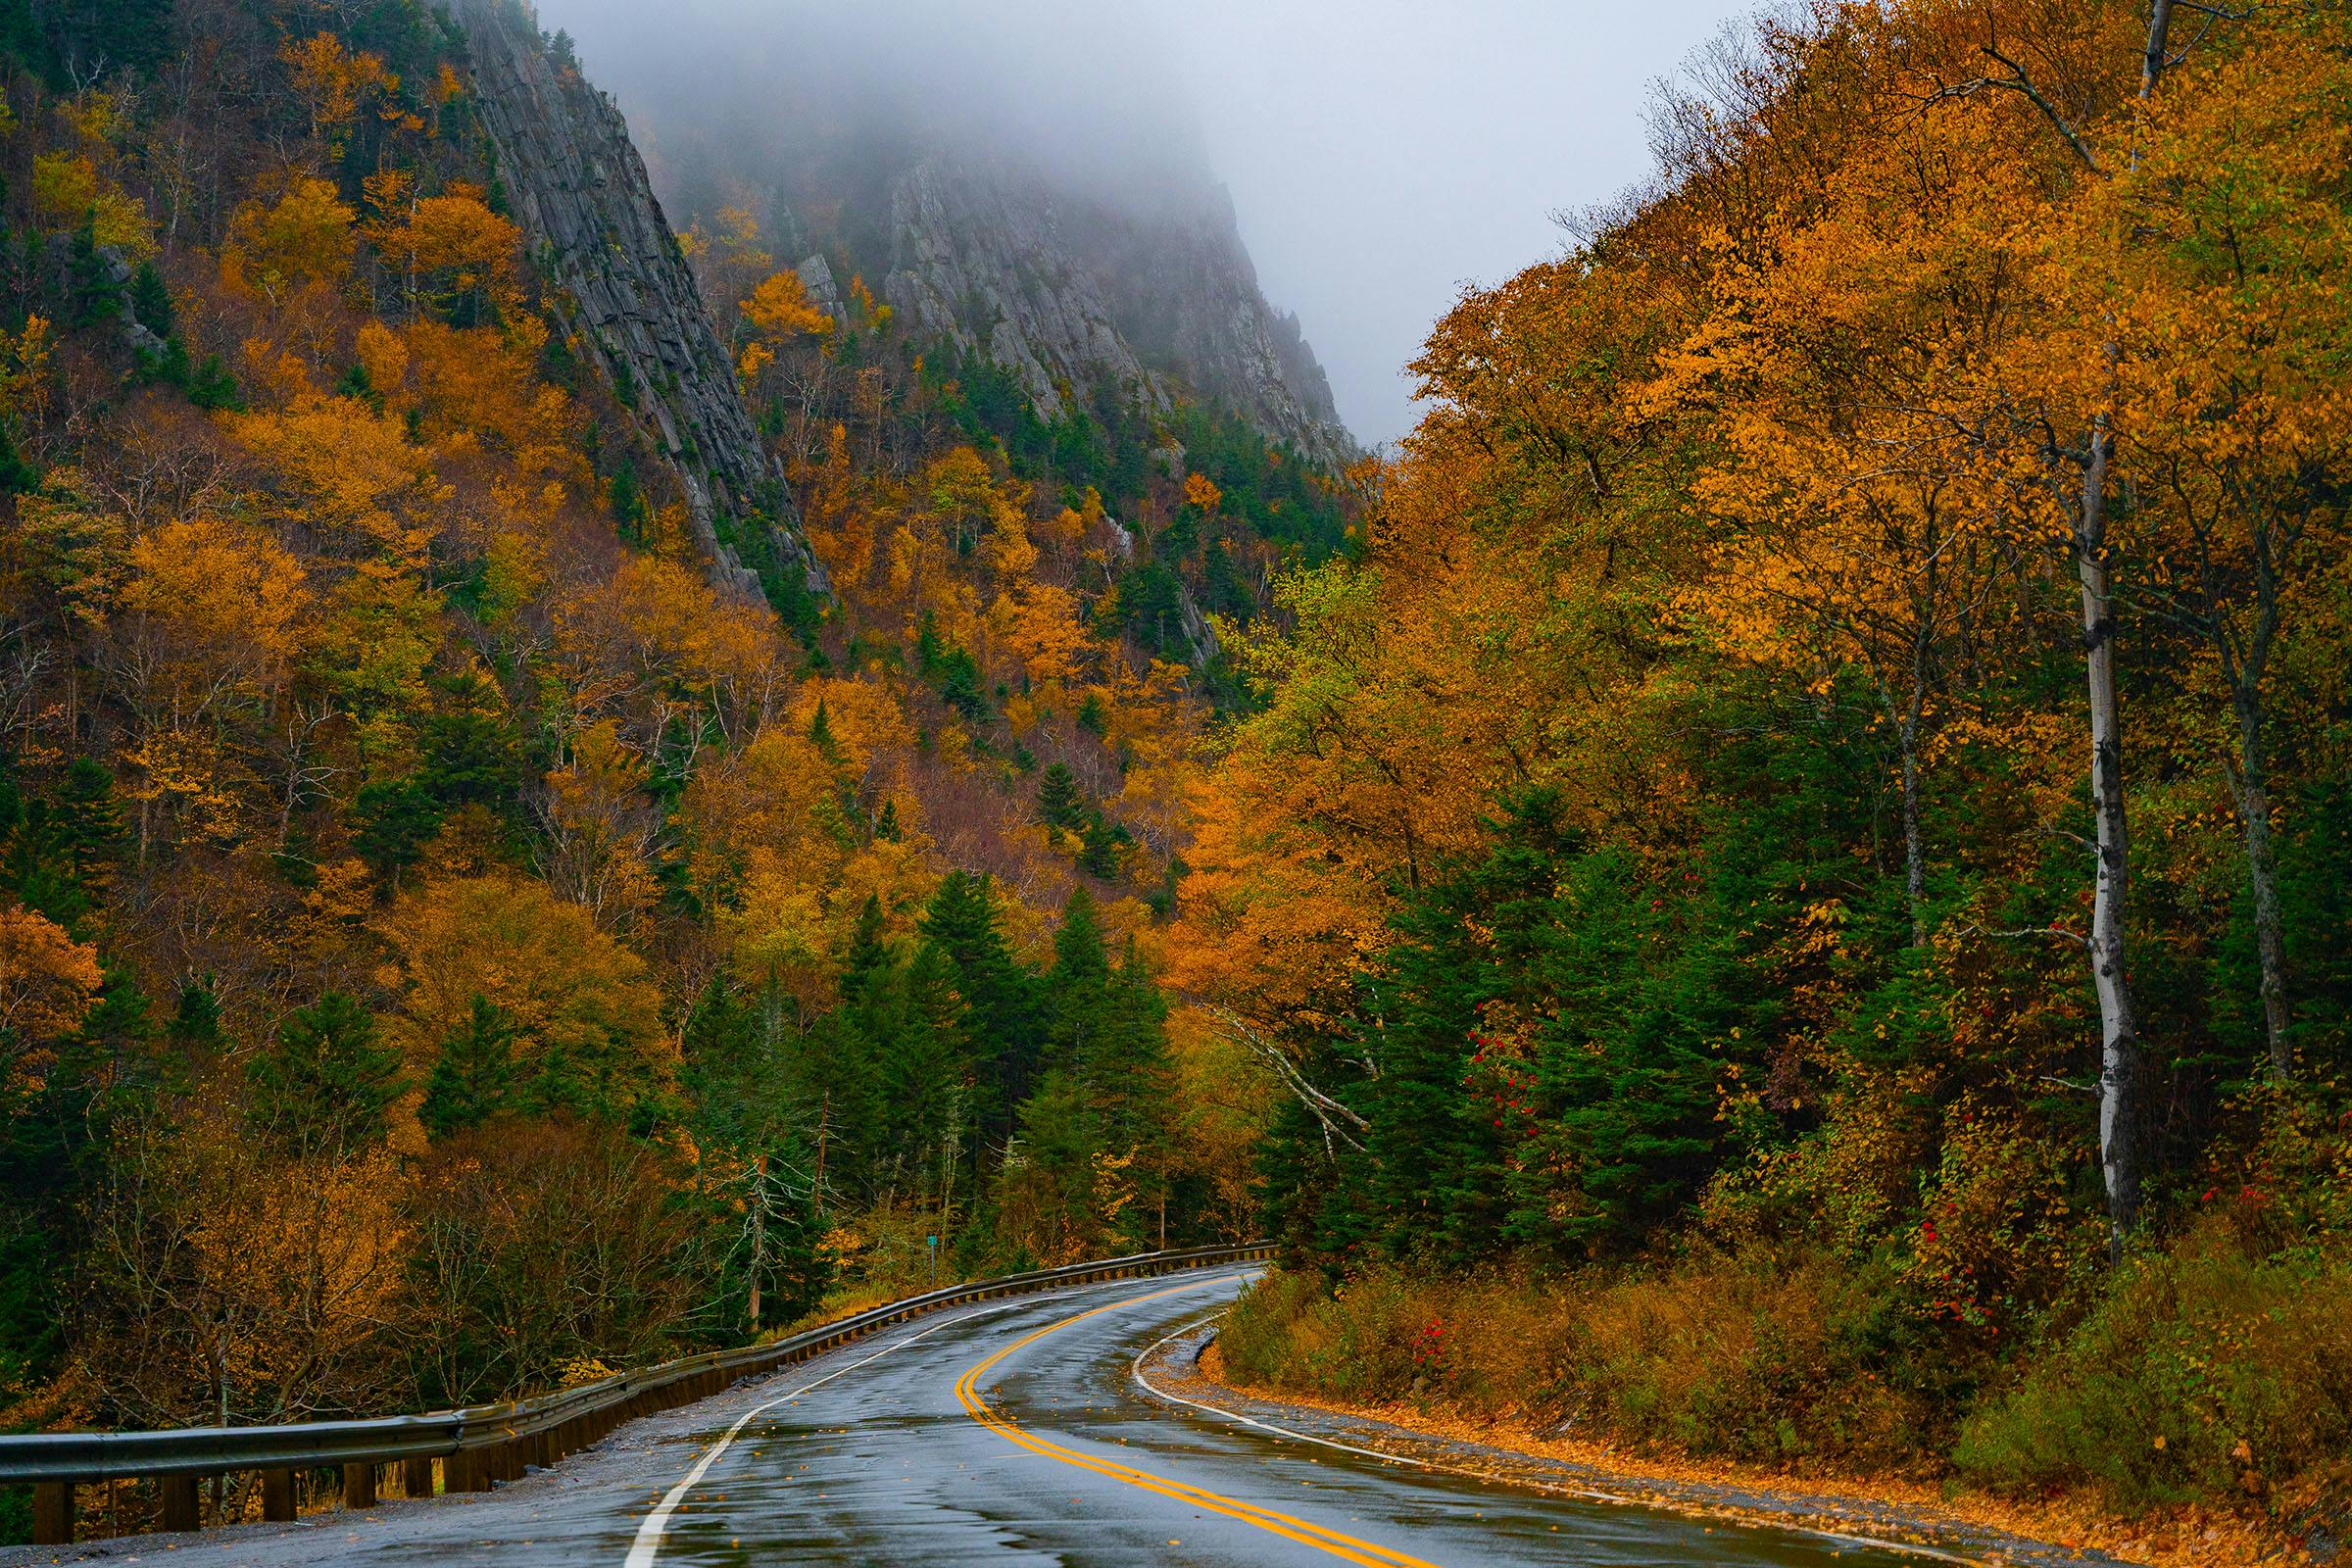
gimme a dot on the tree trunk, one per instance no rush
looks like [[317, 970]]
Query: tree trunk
[[2270, 941], [2119, 1034], [758, 1234], [2119, 1026], [1915, 851]]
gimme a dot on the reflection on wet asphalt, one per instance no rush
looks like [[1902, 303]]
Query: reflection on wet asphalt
[[885, 1467], [882, 1465]]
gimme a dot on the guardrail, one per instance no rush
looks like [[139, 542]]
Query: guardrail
[[484, 1444]]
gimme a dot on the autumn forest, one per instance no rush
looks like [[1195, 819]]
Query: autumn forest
[[1771, 885]]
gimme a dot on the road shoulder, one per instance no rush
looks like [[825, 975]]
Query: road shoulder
[[1184, 1369]]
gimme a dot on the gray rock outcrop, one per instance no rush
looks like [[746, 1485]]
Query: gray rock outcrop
[[1074, 296], [587, 208]]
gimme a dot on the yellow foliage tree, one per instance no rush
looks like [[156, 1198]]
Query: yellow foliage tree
[[303, 237], [587, 1020]]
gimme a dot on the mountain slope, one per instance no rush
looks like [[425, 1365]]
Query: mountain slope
[[625, 290], [1070, 292]]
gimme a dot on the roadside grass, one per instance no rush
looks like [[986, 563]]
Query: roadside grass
[[2214, 1372], [2204, 1374]]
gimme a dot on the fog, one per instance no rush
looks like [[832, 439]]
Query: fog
[[1380, 154]]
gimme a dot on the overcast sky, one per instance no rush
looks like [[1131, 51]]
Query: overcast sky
[[1381, 153]]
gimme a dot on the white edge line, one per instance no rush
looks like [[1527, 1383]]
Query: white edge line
[[648, 1544], [1136, 1369], [649, 1534]]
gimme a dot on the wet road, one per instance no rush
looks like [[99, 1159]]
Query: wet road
[[1012, 1434]]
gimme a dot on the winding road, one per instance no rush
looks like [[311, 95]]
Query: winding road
[[1022, 1432]]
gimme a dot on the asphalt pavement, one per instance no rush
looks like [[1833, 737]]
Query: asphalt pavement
[[1015, 1432]]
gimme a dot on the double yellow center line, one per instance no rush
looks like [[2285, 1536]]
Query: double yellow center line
[[1289, 1526]]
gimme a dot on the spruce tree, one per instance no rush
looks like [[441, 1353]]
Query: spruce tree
[[474, 1079], [1100, 845], [1001, 1016], [1061, 803], [90, 824], [196, 1020], [322, 1087], [151, 300], [1077, 985], [867, 954]]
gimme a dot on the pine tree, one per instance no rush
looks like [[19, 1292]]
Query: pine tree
[[1081, 962], [474, 1079], [90, 824], [787, 1256], [867, 954], [322, 1087], [1000, 1018], [60, 854], [821, 735], [196, 1020], [1100, 845], [392, 821], [151, 300], [1077, 985], [1061, 803]]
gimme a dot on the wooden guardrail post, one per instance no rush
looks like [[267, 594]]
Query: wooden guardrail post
[[359, 1485], [53, 1514], [278, 1496], [178, 1493], [416, 1477]]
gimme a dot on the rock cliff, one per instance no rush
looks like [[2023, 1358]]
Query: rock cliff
[[1074, 294], [587, 208]]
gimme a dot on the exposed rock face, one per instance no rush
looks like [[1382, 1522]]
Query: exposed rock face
[[580, 192], [1073, 296]]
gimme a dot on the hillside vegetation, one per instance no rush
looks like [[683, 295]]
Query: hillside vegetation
[[451, 936], [1724, 1006]]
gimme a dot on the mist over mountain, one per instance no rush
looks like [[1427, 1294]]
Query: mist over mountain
[[1030, 185]]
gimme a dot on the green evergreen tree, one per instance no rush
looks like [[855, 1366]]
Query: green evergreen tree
[[90, 824], [1081, 962], [213, 387], [196, 1020], [392, 821], [862, 965], [472, 1080], [1000, 1018], [821, 735], [323, 1086], [793, 1265], [151, 300], [1061, 803], [472, 757], [1101, 844], [17, 476], [59, 856], [1048, 1188], [627, 498]]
